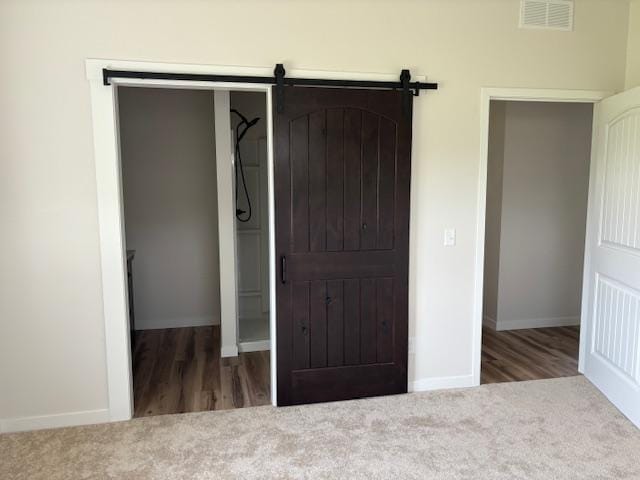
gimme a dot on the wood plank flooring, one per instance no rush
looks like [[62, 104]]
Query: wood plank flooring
[[531, 354], [180, 370]]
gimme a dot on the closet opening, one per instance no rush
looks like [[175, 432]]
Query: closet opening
[[539, 156], [194, 176]]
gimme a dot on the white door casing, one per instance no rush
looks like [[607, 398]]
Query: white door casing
[[226, 227], [610, 347], [518, 95]]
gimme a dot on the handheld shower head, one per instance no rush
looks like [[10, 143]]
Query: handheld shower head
[[242, 129]]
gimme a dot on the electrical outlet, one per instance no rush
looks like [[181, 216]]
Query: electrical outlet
[[449, 237]]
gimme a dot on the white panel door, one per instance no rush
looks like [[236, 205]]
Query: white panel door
[[611, 348]]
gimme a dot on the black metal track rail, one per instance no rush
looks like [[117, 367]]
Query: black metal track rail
[[108, 74], [279, 79]]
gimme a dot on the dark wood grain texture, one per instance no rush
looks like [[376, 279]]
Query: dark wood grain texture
[[529, 354], [342, 181], [179, 370]]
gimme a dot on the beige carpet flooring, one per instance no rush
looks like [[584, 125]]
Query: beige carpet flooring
[[545, 429]]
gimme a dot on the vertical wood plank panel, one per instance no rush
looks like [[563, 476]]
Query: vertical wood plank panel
[[635, 239], [386, 202], [621, 330], [335, 323], [618, 181], [300, 327], [353, 197], [384, 314], [335, 179], [300, 185], [626, 331], [628, 189], [617, 326], [318, 323], [317, 182], [368, 321], [351, 300], [370, 170], [634, 354], [352, 178], [600, 304], [621, 206]]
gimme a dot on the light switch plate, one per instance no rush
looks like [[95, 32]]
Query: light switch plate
[[449, 237]]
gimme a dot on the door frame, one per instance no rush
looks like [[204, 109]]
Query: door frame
[[110, 210], [519, 95]]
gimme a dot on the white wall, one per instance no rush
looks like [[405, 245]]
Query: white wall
[[167, 140], [545, 178], [633, 46], [50, 276]]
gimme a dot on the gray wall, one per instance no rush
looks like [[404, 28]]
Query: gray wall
[[536, 232], [169, 176], [494, 208]]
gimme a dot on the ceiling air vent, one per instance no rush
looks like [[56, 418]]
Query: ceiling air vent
[[547, 14]]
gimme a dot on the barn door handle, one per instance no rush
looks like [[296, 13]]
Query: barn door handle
[[283, 269]]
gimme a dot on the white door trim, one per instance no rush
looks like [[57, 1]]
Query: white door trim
[[109, 189], [523, 95], [226, 226]]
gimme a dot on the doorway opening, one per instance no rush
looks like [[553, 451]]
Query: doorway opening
[[194, 172], [393, 104], [538, 167], [249, 126]]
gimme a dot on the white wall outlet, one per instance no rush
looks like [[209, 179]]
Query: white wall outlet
[[449, 237]]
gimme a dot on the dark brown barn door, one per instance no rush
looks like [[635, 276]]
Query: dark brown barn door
[[342, 175]]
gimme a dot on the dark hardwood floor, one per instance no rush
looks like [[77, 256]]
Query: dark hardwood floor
[[531, 354], [180, 370]]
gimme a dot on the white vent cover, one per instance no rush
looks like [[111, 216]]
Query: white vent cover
[[548, 14]]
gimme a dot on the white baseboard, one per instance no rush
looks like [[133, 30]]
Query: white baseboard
[[537, 323], [229, 351], [440, 383], [254, 346], [179, 322], [71, 419], [489, 322]]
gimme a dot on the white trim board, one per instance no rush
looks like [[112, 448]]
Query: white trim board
[[112, 251], [522, 323], [226, 225], [254, 346], [228, 351], [179, 322], [512, 94], [440, 383], [71, 419]]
